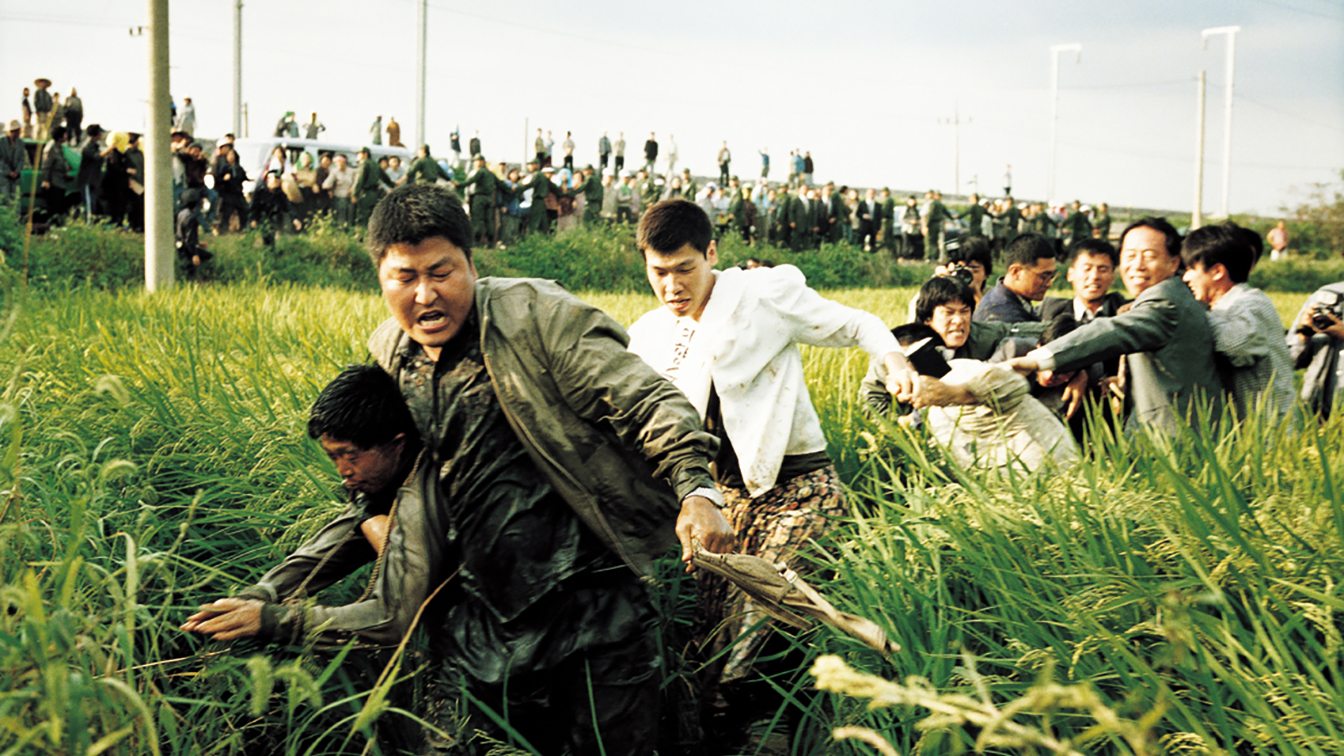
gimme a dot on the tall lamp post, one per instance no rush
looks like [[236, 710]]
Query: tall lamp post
[[1231, 32], [1055, 50]]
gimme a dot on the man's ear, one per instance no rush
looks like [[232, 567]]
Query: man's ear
[[1218, 271], [712, 253]]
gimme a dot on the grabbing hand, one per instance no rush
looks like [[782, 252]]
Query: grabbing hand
[[700, 520], [227, 619]]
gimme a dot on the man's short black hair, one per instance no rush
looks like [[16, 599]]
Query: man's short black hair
[[1160, 225], [1252, 239], [672, 224], [912, 332], [362, 405], [973, 248], [412, 213], [1026, 249], [1220, 245], [939, 291], [1093, 247]]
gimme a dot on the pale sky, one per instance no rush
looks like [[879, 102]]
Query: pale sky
[[869, 88]]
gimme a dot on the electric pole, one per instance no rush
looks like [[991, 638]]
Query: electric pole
[[1055, 50]]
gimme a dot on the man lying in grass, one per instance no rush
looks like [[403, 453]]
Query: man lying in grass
[[363, 425], [982, 413]]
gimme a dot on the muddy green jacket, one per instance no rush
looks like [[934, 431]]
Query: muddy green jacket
[[618, 442], [410, 566]]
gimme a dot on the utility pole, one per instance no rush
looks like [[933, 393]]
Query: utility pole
[[955, 123], [421, 32], [238, 69], [1055, 50], [1231, 32], [159, 252], [1197, 218]]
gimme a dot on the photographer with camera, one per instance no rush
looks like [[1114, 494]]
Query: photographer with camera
[[1315, 342], [1031, 268]]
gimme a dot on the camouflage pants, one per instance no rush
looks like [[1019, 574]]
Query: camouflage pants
[[775, 526]]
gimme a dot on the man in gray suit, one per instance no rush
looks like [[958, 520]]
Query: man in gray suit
[[1165, 335]]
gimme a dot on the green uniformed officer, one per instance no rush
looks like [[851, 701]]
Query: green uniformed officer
[[1101, 225], [974, 216], [365, 193], [1077, 225], [536, 219], [593, 194], [426, 170], [480, 187]]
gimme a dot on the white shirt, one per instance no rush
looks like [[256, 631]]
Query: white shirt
[[1007, 428], [746, 345]]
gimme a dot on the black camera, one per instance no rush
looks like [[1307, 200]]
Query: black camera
[[959, 271], [1327, 302]]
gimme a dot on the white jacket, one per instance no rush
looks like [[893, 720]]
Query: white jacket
[[746, 343]]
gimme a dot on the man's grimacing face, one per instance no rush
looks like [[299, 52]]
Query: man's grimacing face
[[430, 289], [368, 470], [952, 321]]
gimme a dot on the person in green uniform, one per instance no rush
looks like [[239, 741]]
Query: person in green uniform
[[1011, 220], [649, 191], [975, 216], [480, 187], [593, 194], [1041, 223], [426, 170], [535, 220], [886, 221], [1101, 225], [365, 194], [933, 226], [737, 209], [1077, 226]]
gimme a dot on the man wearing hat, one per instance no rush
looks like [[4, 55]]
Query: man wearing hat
[[364, 194], [90, 175], [13, 159], [480, 186], [43, 105]]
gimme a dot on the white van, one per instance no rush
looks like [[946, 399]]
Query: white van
[[253, 153]]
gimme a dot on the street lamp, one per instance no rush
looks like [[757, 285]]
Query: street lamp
[[1055, 50], [1231, 32]]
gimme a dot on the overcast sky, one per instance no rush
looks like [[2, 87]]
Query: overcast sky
[[870, 88]]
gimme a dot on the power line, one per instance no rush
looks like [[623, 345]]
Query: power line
[[543, 30], [1288, 114], [1301, 10]]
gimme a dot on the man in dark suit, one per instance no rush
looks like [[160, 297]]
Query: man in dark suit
[[1092, 272], [1031, 266], [1165, 335]]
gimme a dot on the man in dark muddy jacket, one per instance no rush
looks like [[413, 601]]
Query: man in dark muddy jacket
[[562, 463], [555, 466]]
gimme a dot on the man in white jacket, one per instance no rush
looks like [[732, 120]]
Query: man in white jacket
[[729, 340]]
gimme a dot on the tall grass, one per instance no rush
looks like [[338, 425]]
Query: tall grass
[[152, 457]]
